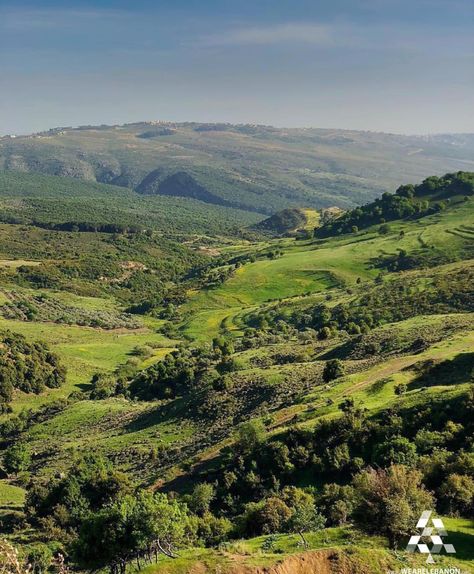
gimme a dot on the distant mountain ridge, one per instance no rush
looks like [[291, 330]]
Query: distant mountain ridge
[[252, 167]]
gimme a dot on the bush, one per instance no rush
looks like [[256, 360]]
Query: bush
[[389, 502], [17, 458], [333, 370], [40, 558]]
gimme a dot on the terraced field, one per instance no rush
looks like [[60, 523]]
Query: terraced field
[[307, 267]]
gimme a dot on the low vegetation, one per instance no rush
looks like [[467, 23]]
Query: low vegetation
[[239, 399]]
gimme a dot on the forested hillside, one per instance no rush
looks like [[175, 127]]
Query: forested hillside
[[207, 394], [256, 168]]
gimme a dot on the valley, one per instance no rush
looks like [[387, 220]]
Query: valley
[[242, 382]]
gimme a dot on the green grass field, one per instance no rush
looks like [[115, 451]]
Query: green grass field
[[84, 351], [313, 267], [364, 554]]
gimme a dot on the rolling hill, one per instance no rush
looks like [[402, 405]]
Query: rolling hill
[[250, 386], [256, 168]]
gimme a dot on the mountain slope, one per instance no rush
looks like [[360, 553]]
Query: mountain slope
[[258, 383], [180, 184], [53, 201], [253, 167]]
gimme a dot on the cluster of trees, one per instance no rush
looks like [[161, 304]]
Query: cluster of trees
[[177, 374], [45, 308], [162, 304], [29, 367], [419, 259], [290, 510], [87, 227], [417, 451], [185, 370], [216, 276], [409, 201], [386, 302], [103, 519]]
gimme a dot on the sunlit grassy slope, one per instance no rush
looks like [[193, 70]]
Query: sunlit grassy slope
[[85, 350], [312, 267], [341, 548]]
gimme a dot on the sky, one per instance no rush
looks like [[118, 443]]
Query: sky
[[403, 66]]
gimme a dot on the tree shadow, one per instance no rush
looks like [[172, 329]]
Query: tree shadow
[[454, 371], [179, 408], [463, 544]]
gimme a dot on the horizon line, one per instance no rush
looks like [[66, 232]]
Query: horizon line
[[226, 123]]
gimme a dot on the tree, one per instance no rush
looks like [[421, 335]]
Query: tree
[[201, 498], [400, 389], [337, 503], [103, 386], [456, 494], [398, 450], [339, 456], [324, 333], [138, 527], [389, 502], [305, 518], [333, 369], [211, 530], [225, 346], [17, 458], [266, 517], [250, 435]]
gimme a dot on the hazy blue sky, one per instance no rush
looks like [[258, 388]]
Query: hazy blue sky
[[393, 65]]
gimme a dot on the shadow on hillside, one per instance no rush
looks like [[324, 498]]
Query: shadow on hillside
[[177, 408], [449, 372], [463, 544], [341, 351]]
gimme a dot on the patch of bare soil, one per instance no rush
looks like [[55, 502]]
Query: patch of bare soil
[[318, 562]]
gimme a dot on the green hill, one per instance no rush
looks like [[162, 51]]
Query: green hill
[[51, 200], [410, 201], [257, 168], [244, 402], [287, 221]]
